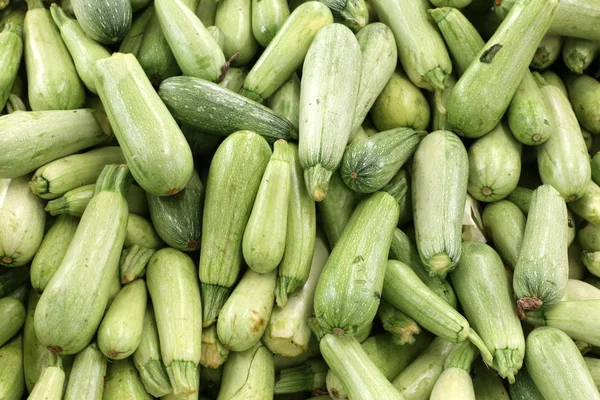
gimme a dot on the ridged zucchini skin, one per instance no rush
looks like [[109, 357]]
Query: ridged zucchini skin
[[104, 21], [155, 149], [122, 382], [11, 43], [498, 69], [22, 222], [494, 165], [240, 161], [13, 317], [190, 99], [71, 307], [440, 174], [483, 290], [369, 164], [328, 94], [287, 50], [557, 367], [578, 54], [267, 19], [234, 17], [542, 270], [505, 223], [31, 139], [86, 380], [584, 93], [563, 161], [12, 385], [547, 52], [348, 292], [175, 294]]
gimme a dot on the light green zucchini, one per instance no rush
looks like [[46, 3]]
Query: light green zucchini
[[13, 317], [402, 327], [563, 160], [206, 11], [348, 292], [86, 380], [234, 17], [593, 364], [312, 351], [14, 103], [328, 95], [455, 383], [584, 93], [286, 52], [267, 19], [50, 385], [11, 43], [439, 192], [521, 197], [578, 54], [218, 36], [505, 225], [578, 290], [67, 326], [596, 167], [524, 388], [591, 260], [352, 13], [244, 316], [553, 79], [556, 366], [133, 39], [589, 236], [577, 270], [84, 50], [122, 382], [175, 294], [547, 52], [452, 3], [542, 269], [240, 161], [588, 206], [105, 22], [309, 377], [12, 385], [59, 176], [141, 232], [474, 115], [214, 353], [285, 101]]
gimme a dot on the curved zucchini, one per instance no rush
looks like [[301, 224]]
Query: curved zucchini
[[547, 52], [22, 222], [584, 93], [578, 54], [267, 19], [122, 382], [439, 189], [11, 370], [13, 317], [11, 43], [141, 121], [86, 380], [67, 326], [505, 224], [235, 20], [328, 95], [285, 101], [104, 21]]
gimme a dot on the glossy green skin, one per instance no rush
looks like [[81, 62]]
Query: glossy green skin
[[141, 121], [584, 93], [86, 380], [578, 54], [557, 367], [349, 288], [52, 80], [11, 370], [496, 76], [505, 223], [267, 18], [563, 161], [524, 388], [248, 375], [235, 20], [105, 22], [547, 52], [122, 382], [13, 317], [11, 44]]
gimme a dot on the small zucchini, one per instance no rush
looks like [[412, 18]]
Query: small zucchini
[[13, 317], [451, 3], [105, 21], [11, 43], [141, 232], [505, 225], [578, 290], [122, 382], [86, 379], [584, 93], [578, 54], [12, 385], [50, 385], [267, 19], [455, 382], [285, 101], [234, 17], [547, 52]]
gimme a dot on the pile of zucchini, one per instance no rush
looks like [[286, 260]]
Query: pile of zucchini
[[263, 199]]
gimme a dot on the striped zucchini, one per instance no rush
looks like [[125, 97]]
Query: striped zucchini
[[22, 222], [214, 353], [235, 20], [439, 188], [122, 382], [133, 39], [505, 225], [244, 316], [402, 327], [140, 119], [285, 101], [578, 54], [264, 238], [483, 290], [59, 176], [84, 50], [472, 114], [107, 21], [67, 326], [563, 161], [328, 95], [267, 19], [542, 269], [11, 370], [13, 317], [584, 93], [196, 51], [295, 265], [286, 52], [547, 52], [11, 43], [524, 388], [588, 205], [348, 292], [455, 383], [369, 164], [50, 385], [308, 377], [557, 367], [147, 358], [86, 380], [239, 162], [494, 165], [188, 99], [578, 290]]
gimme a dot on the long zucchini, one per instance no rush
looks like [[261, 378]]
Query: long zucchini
[[234, 17], [11, 43], [86, 380], [584, 93], [104, 21], [505, 225], [11, 370]]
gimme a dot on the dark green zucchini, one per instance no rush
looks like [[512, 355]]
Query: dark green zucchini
[[104, 21]]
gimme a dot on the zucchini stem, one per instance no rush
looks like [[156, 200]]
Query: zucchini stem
[[478, 342]]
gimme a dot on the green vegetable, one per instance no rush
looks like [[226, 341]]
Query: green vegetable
[[579, 291], [106, 22], [589, 236], [578, 54], [11, 369], [455, 381], [132, 41], [593, 364], [235, 20], [309, 377], [13, 317], [551, 79], [584, 93], [248, 375], [11, 43], [399, 188], [547, 52], [205, 10], [12, 278], [505, 225], [50, 385], [141, 232], [86, 380], [439, 120], [267, 19], [521, 197], [214, 353], [286, 100], [137, 5], [487, 384], [524, 388], [588, 206], [122, 382], [401, 326]]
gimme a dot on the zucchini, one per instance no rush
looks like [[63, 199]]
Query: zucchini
[[52, 80], [563, 161], [285, 101], [402, 327], [218, 35], [309, 377], [399, 188], [348, 292], [547, 52], [487, 384], [451, 3], [50, 385], [244, 316], [521, 197], [86, 380], [577, 270], [267, 19], [200, 142], [578, 290], [524, 388], [130, 100], [400, 104], [11, 370], [578, 54], [133, 261], [59, 176], [455, 383], [141, 232], [556, 366], [13, 317], [483, 290], [84, 50], [196, 51], [11, 43], [439, 120], [12, 278], [439, 191], [122, 382], [593, 364], [187, 99], [205, 10], [588, 206], [472, 114], [22, 222], [584, 93], [596, 167], [178, 218], [107, 21], [505, 225], [132, 41], [210, 380], [214, 353], [137, 5], [328, 94], [542, 270], [589, 236], [264, 238], [494, 165], [295, 265], [235, 20], [591, 260], [173, 288], [240, 161], [66, 326], [551, 78]]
